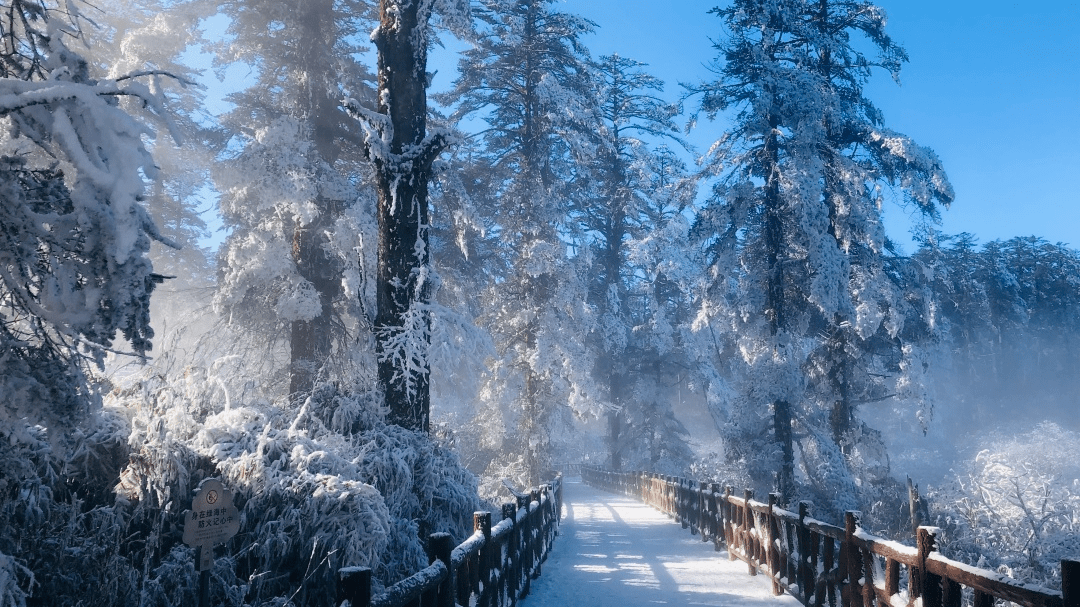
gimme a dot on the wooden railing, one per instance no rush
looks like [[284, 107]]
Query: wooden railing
[[818, 563], [493, 567], [569, 469]]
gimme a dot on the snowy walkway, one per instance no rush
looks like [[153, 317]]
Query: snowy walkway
[[613, 551]]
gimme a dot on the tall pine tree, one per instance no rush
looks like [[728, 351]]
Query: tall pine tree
[[797, 206], [295, 184], [529, 80]]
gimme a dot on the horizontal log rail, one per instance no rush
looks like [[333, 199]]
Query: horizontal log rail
[[492, 568], [822, 564]]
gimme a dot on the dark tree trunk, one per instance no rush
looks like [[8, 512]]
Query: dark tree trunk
[[403, 172], [311, 342], [775, 303], [615, 438]]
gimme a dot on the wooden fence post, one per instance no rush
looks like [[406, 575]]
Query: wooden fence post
[[354, 585], [669, 500], [558, 502], [526, 552], [1070, 583], [803, 574], [683, 507], [828, 558], [850, 560], [747, 541], [440, 545], [512, 566], [482, 523], [727, 521], [688, 504], [536, 533], [772, 560], [927, 584], [717, 521]]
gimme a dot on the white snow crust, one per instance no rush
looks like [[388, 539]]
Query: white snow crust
[[615, 551]]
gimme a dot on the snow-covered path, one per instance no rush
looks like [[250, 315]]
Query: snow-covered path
[[615, 551]]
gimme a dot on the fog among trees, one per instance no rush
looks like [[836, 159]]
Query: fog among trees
[[420, 299]]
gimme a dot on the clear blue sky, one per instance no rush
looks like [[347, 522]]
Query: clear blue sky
[[993, 87]]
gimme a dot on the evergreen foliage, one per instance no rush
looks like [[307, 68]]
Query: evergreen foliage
[[75, 232], [535, 271], [529, 80], [793, 236]]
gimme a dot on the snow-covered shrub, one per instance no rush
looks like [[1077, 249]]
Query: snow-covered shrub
[[329, 485], [60, 537], [75, 235], [325, 486], [1015, 506]]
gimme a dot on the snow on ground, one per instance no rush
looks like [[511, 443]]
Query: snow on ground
[[615, 551]]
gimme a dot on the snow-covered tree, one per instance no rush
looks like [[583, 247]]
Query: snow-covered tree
[[528, 78], [295, 188], [659, 272], [614, 212], [403, 153], [1014, 506], [76, 274], [1008, 318], [157, 35], [76, 233], [793, 229]]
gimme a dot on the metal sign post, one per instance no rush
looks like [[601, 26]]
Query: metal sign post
[[212, 520]]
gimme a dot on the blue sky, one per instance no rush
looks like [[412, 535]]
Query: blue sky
[[993, 87]]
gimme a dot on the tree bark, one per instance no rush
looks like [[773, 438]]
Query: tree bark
[[775, 303], [311, 341], [403, 172]]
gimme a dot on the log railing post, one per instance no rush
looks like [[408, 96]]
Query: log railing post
[[727, 521], [802, 534], [892, 577], [858, 566], [697, 502], [717, 521], [482, 523], [536, 533], [440, 545], [1070, 583], [691, 506], [684, 503], [354, 585], [526, 548], [512, 567], [927, 585], [524, 545], [558, 502], [828, 558], [951, 593], [789, 552], [747, 540], [772, 560], [815, 588]]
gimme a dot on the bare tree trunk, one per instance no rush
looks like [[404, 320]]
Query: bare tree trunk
[[776, 305], [403, 172], [311, 341], [615, 438]]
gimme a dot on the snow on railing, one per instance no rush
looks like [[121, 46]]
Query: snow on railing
[[818, 563], [493, 567]]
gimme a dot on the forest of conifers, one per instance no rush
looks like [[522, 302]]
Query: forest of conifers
[[415, 301]]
